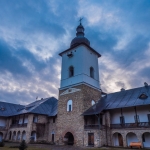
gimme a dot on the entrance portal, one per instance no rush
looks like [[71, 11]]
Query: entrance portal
[[91, 139], [69, 138]]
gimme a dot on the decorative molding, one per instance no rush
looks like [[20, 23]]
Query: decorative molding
[[70, 90]]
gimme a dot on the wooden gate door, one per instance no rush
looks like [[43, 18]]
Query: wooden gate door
[[120, 140], [91, 139]]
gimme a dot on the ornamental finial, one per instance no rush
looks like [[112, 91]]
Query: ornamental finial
[[80, 20]]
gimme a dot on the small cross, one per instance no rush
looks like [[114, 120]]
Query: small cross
[[80, 20]]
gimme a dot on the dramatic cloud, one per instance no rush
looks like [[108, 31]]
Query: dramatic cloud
[[32, 33]]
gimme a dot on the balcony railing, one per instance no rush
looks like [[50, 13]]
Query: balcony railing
[[2, 128], [131, 125], [93, 126], [18, 125]]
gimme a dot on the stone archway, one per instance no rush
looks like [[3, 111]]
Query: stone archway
[[69, 138], [18, 136], [33, 136], [131, 137], [1, 136], [14, 136], [117, 139], [146, 139], [24, 135]]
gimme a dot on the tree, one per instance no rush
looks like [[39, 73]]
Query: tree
[[23, 145]]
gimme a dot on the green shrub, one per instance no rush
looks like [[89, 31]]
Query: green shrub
[[2, 143], [23, 145]]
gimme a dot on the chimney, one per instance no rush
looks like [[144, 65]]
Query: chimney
[[145, 84], [122, 89]]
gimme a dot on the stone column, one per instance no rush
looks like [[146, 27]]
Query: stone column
[[29, 127], [108, 131], [124, 139]]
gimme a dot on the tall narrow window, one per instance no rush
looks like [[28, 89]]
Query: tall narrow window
[[71, 71], [69, 105], [91, 72]]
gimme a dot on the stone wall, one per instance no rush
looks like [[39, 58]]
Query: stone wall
[[73, 121], [51, 128], [99, 137]]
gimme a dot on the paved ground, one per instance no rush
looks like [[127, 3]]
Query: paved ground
[[55, 147]]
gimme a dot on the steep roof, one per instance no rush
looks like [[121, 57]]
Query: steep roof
[[8, 109], [82, 43], [126, 98], [47, 106]]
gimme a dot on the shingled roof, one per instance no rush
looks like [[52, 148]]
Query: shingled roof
[[47, 106], [8, 109], [121, 99]]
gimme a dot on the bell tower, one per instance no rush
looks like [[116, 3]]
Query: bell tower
[[80, 63], [79, 88]]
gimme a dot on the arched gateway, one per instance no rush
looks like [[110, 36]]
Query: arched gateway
[[69, 138]]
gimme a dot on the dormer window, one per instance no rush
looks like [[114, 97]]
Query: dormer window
[[2, 108], [71, 71], [143, 96], [91, 72], [69, 105]]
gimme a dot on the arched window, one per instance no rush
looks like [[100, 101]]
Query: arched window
[[92, 102], [71, 71], [91, 72], [69, 105]]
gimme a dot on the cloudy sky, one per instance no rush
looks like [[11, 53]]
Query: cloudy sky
[[33, 32]]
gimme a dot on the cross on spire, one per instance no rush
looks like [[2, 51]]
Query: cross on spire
[[80, 20]]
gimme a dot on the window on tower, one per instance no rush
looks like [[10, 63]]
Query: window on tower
[[91, 72], [69, 105], [71, 71]]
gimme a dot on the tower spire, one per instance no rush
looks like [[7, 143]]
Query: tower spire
[[80, 29], [79, 35]]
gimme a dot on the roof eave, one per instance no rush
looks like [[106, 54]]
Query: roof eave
[[99, 55]]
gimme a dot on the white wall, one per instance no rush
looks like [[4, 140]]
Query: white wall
[[83, 58], [142, 111], [26, 119], [115, 116], [129, 114], [2, 122]]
